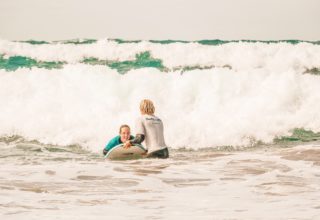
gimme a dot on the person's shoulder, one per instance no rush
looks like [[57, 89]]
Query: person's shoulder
[[156, 117], [113, 142], [148, 116], [153, 118], [115, 139]]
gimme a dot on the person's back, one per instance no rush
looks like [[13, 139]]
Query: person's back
[[152, 128]]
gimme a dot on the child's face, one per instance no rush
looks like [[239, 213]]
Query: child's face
[[124, 134]]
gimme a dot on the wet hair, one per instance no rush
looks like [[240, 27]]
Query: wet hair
[[147, 107], [123, 126]]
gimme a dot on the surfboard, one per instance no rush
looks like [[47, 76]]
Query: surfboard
[[121, 153]]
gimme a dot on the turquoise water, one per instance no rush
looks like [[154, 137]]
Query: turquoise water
[[204, 42], [141, 60], [15, 62]]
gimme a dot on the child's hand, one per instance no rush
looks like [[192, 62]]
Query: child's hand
[[127, 144]]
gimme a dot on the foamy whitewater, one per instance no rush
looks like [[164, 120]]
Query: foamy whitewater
[[241, 121]]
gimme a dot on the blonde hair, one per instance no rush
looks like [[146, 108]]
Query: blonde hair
[[123, 126], [147, 107]]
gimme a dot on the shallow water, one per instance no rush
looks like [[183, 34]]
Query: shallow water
[[41, 182]]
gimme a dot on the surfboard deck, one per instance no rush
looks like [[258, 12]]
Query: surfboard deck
[[121, 153]]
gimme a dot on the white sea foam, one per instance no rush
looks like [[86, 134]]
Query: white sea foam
[[240, 56], [83, 104]]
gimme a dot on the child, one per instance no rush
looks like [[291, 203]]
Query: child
[[124, 135]]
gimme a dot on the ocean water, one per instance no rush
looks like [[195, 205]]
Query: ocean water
[[241, 121]]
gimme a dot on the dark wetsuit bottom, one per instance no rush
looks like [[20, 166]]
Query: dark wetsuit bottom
[[163, 154]]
